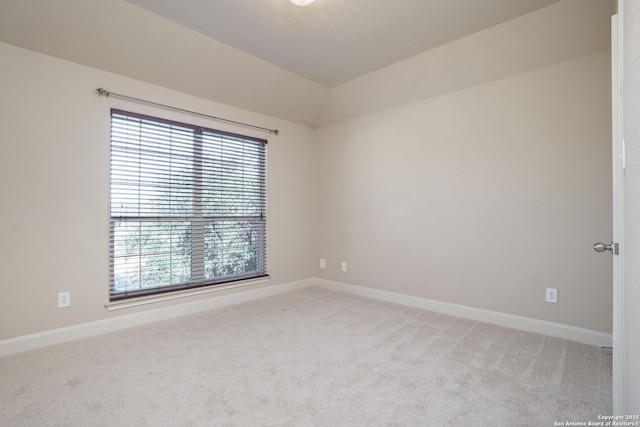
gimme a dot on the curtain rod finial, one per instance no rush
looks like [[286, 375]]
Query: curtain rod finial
[[102, 91]]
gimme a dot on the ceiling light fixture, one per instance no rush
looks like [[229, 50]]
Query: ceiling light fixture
[[302, 2]]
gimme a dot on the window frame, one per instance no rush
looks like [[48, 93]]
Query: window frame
[[197, 253]]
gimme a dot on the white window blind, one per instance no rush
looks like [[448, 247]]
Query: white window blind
[[188, 206]]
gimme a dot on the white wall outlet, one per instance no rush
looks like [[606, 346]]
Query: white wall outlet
[[552, 295], [322, 263], [64, 299], [344, 266]]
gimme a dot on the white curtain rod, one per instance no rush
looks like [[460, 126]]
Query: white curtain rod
[[104, 92]]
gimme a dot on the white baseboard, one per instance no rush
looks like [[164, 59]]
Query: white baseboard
[[84, 330], [581, 335]]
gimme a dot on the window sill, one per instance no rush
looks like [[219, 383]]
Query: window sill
[[151, 299]]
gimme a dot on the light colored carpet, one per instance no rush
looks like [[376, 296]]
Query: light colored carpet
[[308, 358]]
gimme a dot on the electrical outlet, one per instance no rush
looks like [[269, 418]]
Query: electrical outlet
[[552, 295], [344, 266], [322, 263], [64, 299]]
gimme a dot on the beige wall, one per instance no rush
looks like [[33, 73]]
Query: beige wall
[[482, 197], [54, 182]]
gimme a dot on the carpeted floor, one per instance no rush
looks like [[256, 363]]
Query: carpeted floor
[[308, 358]]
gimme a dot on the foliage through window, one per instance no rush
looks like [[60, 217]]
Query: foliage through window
[[188, 206]]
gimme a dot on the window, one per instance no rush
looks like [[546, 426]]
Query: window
[[188, 206]]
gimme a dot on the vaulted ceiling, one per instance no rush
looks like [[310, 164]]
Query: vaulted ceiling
[[309, 65], [333, 41]]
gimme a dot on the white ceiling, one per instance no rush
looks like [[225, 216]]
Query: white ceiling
[[314, 66], [334, 41]]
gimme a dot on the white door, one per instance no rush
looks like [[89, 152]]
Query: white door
[[618, 165], [616, 247]]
